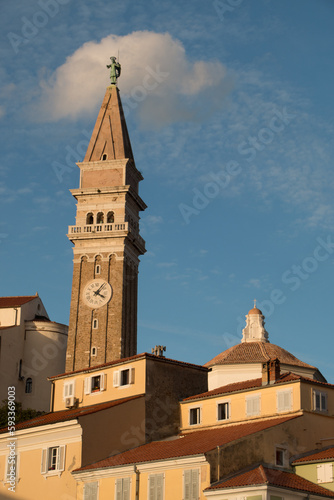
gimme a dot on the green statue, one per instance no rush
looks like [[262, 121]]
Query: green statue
[[115, 70]]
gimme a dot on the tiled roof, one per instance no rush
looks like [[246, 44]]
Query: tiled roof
[[274, 477], [254, 383], [64, 415], [144, 355], [255, 352], [194, 443], [325, 454], [15, 301]]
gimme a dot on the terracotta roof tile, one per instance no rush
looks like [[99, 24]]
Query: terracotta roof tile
[[325, 454], [274, 477], [194, 443], [255, 352], [64, 415], [15, 301], [252, 384], [145, 355]]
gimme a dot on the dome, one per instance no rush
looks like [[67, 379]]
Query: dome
[[255, 310]]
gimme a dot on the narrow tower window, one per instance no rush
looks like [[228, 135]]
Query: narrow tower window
[[90, 218], [93, 351], [97, 269], [104, 157], [95, 324], [100, 218], [110, 217]]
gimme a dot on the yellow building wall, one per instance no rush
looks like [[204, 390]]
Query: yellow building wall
[[268, 405], [173, 483], [110, 392], [33, 485], [309, 472]]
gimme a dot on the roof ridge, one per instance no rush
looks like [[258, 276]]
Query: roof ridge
[[263, 350]]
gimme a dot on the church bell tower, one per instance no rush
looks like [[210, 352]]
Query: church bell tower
[[107, 243]]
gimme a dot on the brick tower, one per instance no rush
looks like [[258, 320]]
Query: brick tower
[[107, 245]]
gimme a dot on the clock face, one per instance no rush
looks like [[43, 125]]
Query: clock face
[[97, 293]]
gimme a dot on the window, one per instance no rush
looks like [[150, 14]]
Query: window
[[155, 486], [124, 377], [93, 351], [95, 323], [89, 218], [90, 491], [11, 468], [325, 473], [28, 389], [110, 217], [123, 489], [223, 411], [194, 416], [68, 390], [97, 269], [191, 484], [100, 218], [319, 400], [279, 456], [95, 384], [53, 459], [284, 400], [104, 157], [253, 404]]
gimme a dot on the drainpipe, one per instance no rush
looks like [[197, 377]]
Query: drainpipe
[[52, 396], [137, 483]]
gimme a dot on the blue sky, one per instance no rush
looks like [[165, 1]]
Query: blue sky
[[229, 112]]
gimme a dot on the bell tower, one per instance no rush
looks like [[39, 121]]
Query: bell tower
[[107, 243]]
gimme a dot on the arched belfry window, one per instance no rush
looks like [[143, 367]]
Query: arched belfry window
[[28, 389], [100, 218], [110, 217], [90, 218]]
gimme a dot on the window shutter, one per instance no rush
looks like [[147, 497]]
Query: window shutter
[[194, 484], [90, 491], [103, 380], [248, 406], [152, 487], [323, 401], [132, 376], [159, 486], [187, 484], [118, 489], [61, 458], [44, 461], [116, 379], [280, 401], [88, 385], [9, 465], [126, 489]]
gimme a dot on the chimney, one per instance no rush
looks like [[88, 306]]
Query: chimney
[[271, 371], [158, 350]]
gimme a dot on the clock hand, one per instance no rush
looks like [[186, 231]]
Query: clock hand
[[101, 288]]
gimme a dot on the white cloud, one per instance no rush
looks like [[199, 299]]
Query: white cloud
[[157, 79]]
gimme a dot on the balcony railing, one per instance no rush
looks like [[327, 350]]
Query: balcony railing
[[104, 228]]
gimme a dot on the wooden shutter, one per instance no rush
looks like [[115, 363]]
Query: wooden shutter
[[132, 376], [116, 379], [103, 380], [194, 484], [118, 489], [61, 458], [152, 487], [44, 461], [90, 491], [187, 484], [160, 487], [126, 488], [88, 385]]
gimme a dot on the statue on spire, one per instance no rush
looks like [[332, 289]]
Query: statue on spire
[[115, 70]]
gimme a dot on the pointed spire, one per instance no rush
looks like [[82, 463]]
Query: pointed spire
[[110, 138]]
